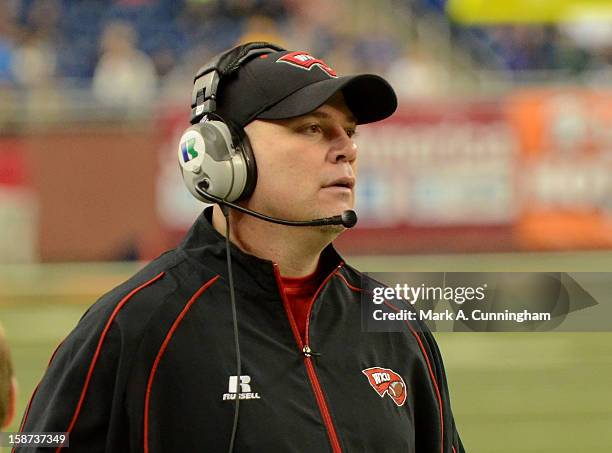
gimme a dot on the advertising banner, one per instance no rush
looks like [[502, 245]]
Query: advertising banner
[[565, 168], [436, 175]]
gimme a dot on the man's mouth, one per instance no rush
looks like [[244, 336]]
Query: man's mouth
[[345, 182]]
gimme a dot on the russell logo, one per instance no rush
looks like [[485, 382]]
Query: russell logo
[[245, 389], [386, 381], [306, 61], [188, 150]]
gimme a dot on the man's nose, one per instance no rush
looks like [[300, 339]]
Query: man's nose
[[343, 148]]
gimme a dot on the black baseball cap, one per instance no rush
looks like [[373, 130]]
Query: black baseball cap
[[287, 84]]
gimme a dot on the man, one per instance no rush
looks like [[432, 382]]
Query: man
[[152, 365], [8, 384]]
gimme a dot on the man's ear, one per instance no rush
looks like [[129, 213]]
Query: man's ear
[[12, 404]]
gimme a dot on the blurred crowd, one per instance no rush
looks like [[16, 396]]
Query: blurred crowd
[[525, 48], [127, 51], [573, 47]]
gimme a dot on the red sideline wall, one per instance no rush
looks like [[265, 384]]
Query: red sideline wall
[[96, 192]]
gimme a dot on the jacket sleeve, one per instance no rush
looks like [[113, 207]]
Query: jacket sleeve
[[78, 392]]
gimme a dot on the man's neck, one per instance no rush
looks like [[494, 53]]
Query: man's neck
[[296, 250]]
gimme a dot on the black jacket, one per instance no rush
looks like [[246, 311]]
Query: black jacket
[[151, 366]]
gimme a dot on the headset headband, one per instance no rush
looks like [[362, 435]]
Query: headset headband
[[206, 80]]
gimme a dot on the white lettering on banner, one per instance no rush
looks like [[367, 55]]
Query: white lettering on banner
[[438, 143], [445, 173], [570, 183]]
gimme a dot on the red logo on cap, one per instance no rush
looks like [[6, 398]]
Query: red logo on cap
[[305, 61], [386, 381]]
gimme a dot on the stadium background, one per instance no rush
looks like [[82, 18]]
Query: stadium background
[[499, 159]]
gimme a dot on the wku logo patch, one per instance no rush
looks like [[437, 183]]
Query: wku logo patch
[[305, 61], [386, 381]]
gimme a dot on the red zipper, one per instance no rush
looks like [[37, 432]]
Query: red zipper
[[305, 349], [329, 424]]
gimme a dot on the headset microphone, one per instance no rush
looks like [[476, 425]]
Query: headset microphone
[[348, 218]]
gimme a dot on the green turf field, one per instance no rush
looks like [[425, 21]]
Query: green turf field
[[511, 392]]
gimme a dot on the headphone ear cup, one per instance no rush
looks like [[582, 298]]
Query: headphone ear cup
[[244, 147], [216, 159], [208, 162]]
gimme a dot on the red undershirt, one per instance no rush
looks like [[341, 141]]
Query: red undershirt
[[299, 292]]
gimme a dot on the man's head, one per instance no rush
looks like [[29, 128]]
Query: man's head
[[300, 118], [7, 384]]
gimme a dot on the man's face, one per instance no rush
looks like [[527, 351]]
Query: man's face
[[306, 165]]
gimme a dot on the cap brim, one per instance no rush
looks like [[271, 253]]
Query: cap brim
[[369, 97]]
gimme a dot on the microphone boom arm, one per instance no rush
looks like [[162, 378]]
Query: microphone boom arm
[[348, 218]]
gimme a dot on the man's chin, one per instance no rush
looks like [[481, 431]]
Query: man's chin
[[335, 203], [332, 230]]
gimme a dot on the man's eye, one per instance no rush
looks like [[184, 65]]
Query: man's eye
[[314, 128], [351, 132]]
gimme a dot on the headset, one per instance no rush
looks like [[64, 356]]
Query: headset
[[215, 155]]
